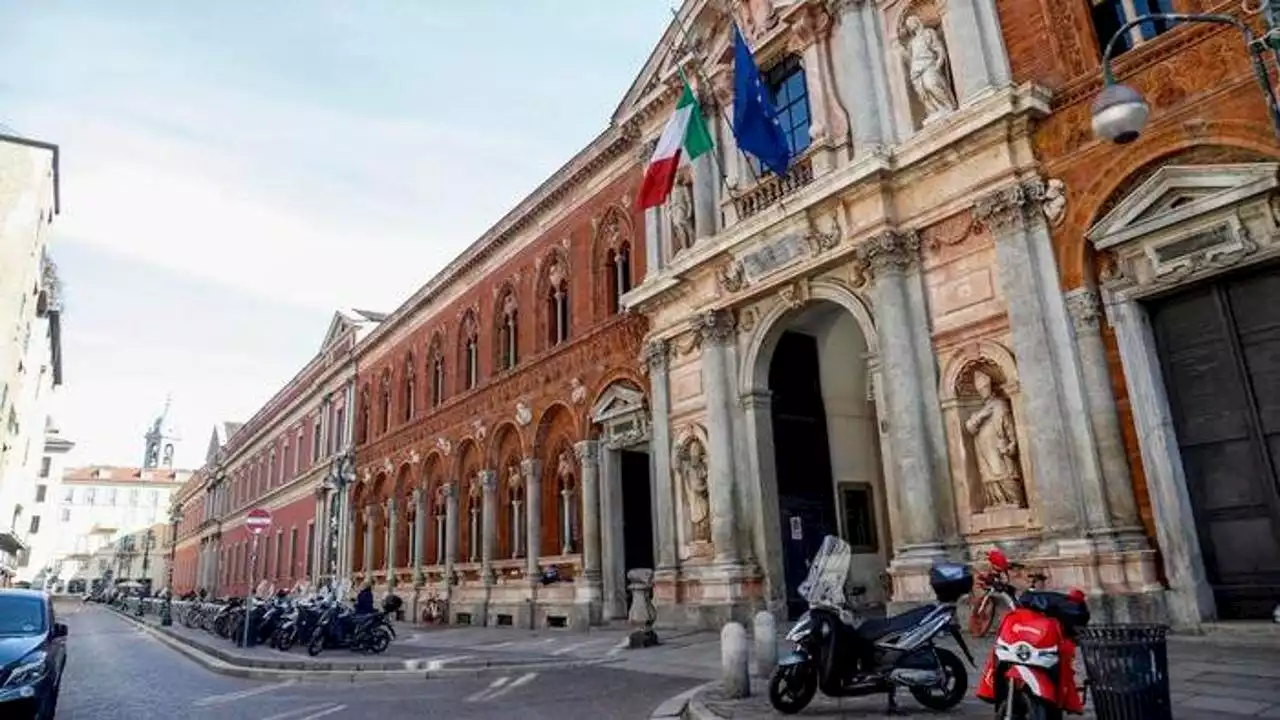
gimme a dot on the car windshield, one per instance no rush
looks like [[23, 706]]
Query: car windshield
[[21, 615]]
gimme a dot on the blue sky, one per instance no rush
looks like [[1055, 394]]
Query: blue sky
[[233, 171]]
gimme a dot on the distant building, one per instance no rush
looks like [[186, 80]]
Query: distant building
[[39, 565]]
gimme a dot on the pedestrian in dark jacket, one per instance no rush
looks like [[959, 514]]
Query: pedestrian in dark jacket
[[364, 599]]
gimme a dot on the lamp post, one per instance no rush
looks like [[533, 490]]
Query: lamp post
[[1120, 112], [148, 539], [342, 473], [166, 609]]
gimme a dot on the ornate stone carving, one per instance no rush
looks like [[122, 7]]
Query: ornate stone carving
[[478, 429], [925, 56], [414, 457], [714, 326], [566, 468], [515, 480], [811, 25], [387, 466], [366, 476], [794, 294], [680, 212], [889, 251], [577, 391], [995, 446], [1055, 201], [693, 478], [488, 480], [446, 491], [524, 415], [824, 234], [747, 318], [1084, 308], [587, 450], [655, 355], [837, 8], [444, 446], [1003, 209], [730, 277]]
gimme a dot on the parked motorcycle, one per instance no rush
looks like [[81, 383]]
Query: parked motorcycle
[[843, 656], [339, 627], [1030, 674], [996, 592]]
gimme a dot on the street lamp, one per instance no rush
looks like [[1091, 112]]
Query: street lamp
[[166, 609], [342, 472], [1120, 112], [148, 540]]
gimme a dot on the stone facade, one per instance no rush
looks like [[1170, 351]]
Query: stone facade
[[285, 459], [484, 402], [876, 345], [1134, 229]]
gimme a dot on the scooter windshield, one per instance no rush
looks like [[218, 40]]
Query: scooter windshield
[[828, 574]]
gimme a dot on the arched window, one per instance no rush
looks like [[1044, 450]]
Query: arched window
[[384, 399], [409, 388], [365, 427], [271, 468], [470, 339], [437, 372], [619, 271], [557, 304], [508, 331]]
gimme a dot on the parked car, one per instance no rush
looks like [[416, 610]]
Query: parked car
[[32, 655]]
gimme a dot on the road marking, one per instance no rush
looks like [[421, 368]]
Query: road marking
[[493, 686], [623, 644], [299, 711], [570, 648], [436, 663], [522, 680], [501, 644], [232, 697], [322, 713]]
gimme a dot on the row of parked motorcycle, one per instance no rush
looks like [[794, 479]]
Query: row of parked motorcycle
[[320, 621], [1029, 675]]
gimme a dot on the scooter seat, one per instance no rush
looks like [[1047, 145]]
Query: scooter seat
[[876, 628]]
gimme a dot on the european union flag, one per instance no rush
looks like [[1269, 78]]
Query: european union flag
[[755, 122]]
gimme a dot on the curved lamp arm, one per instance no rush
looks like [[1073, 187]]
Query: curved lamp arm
[[1259, 68]]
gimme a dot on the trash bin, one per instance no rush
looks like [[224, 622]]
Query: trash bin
[[1128, 671]]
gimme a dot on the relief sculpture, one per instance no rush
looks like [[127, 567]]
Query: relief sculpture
[[995, 446], [926, 59], [693, 474], [680, 208]]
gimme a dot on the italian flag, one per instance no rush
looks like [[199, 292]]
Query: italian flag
[[685, 132]]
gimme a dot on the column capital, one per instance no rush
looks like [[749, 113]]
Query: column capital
[[532, 470], [714, 326], [655, 355], [1003, 209], [587, 450], [447, 491], [1084, 307], [891, 251], [417, 495], [391, 505], [488, 481]]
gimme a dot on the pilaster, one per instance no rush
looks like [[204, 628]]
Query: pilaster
[[656, 362], [450, 491], [716, 330], [532, 470], [856, 50], [393, 522], [591, 592]]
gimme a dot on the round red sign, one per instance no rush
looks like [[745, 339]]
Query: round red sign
[[258, 519]]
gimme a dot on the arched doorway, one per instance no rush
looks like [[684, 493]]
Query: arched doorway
[[820, 444]]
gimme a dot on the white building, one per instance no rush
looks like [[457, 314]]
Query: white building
[[38, 565]]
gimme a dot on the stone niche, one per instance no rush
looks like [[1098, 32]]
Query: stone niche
[[689, 475], [986, 440], [919, 61]]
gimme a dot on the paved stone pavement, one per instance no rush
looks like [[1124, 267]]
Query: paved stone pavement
[[117, 671]]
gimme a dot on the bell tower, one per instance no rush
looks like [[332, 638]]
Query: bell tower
[[161, 439]]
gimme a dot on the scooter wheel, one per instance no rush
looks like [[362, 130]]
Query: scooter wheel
[[1021, 705], [287, 639], [792, 687], [952, 692], [378, 641], [316, 646]]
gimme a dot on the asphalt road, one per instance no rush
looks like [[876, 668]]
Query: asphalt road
[[117, 672]]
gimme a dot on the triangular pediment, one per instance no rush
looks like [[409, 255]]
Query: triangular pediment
[[1175, 193], [339, 326], [619, 400]]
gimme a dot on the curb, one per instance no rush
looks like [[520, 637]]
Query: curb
[[679, 706], [284, 670]]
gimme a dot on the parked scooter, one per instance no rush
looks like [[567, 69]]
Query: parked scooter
[[339, 627], [844, 656], [1030, 674]]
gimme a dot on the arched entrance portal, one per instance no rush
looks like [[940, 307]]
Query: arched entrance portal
[[822, 433]]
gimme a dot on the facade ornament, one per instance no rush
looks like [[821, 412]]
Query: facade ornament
[[926, 60], [824, 234], [693, 478], [524, 415], [747, 319], [387, 466], [810, 26], [1084, 308], [515, 479], [995, 446], [366, 475], [586, 451], [444, 492], [565, 468], [444, 446], [795, 294], [478, 429], [475, 486], [488, 480], [714, 326], [680, 211], [837, 8], [577, 391], [631, 130], [414, 457], [889, 251], [655, 355], [1003, 209], [730, 276], [645, 150], [1055, 201]]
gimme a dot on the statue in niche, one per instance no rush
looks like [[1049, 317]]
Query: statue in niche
[[515, 480], [680, 208], [995, 445], [927, 68], [693, 474], [565, 467]]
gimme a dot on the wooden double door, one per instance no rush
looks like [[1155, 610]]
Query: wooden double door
[[1219, 345]]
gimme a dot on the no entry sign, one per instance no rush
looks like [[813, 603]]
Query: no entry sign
[[258, 520]]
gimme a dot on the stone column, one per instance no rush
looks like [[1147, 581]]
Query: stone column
[[857, 51], [829, 123], [612, 541], [716, 330], [758, 413], [706, 179], [393, 522], [488, 522], [419, 533], [368, 541], [1012, 215], [450, 531], [977, 54], [588, 452], [653, 241], [656, 362], [891, 258], [532, 470], [1121, 511]]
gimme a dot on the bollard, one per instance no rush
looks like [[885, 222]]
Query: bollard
[[765, 633], [735, 681]]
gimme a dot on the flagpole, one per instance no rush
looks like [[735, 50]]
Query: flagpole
[[702, 78]]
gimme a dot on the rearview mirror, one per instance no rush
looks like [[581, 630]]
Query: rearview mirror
[[59, 630]]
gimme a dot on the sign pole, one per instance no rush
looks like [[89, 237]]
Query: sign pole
[[248, 599]]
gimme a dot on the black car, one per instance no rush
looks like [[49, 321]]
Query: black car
[[32, 653]]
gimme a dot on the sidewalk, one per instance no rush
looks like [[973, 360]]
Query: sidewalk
[[1211, 679]]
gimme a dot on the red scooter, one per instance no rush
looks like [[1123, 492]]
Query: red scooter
[[1030, 674]]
